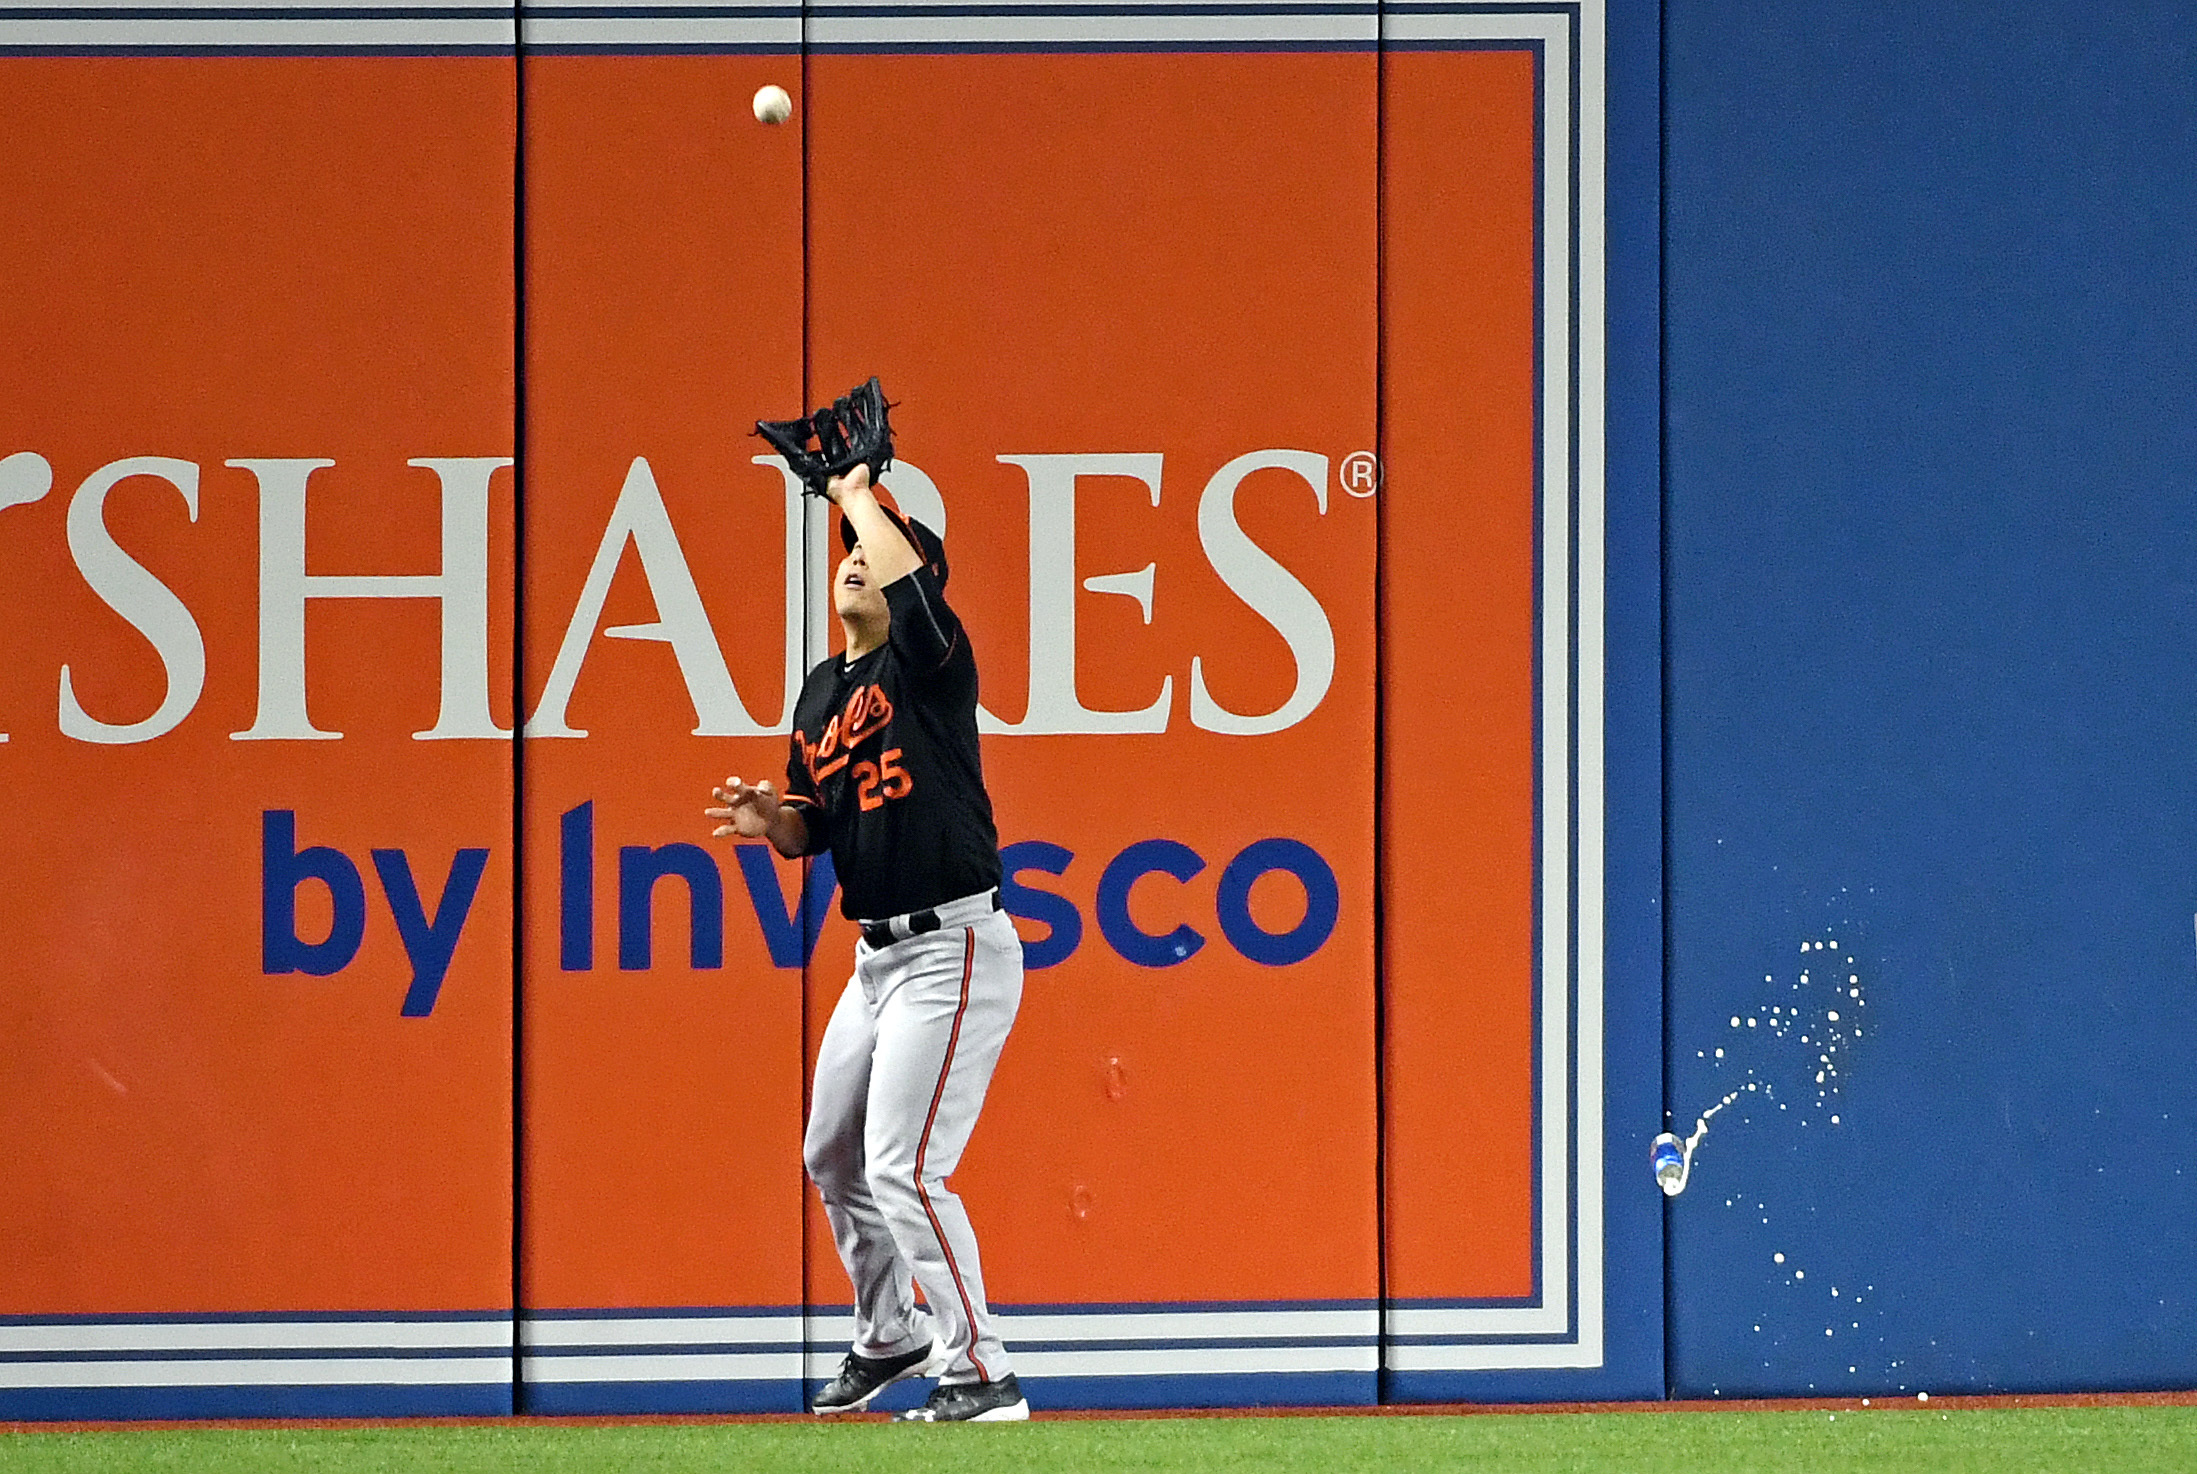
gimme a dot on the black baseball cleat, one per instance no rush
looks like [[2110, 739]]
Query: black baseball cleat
[[972, 1402], [863, 1377]]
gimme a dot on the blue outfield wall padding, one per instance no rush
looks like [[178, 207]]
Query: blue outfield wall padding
[[135, 1404], [1932, 634]]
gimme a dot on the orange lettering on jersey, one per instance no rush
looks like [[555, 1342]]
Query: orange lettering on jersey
[[869, 711], [876, 783], [897, 782], [816, 756]]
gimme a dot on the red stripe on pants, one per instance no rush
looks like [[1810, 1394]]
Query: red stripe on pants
[[968, 963]]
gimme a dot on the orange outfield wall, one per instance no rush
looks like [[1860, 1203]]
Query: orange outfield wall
[[210, 260], [1039, 276]]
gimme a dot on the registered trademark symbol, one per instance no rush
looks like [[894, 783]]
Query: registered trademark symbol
[[1361, 473]]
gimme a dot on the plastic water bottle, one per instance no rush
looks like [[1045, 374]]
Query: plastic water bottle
[[1669, 1160]]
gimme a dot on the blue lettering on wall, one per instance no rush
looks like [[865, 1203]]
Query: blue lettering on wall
[[790, 928], [639, 868], [282, 869], [576, 888], [429, 944], [791, 943], [1058, 914], [1322, 902], [1146, 857]]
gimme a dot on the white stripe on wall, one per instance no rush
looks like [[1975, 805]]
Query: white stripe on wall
[[246, 25], [1208, 1361], [828, 31], [311, 1371], [332, 33], [1158, 1325], [340, 1335], [1493, 1358], [664, 1330], [630, 33], [773, 1366]]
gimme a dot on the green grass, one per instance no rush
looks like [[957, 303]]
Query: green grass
[[1970, 1441]]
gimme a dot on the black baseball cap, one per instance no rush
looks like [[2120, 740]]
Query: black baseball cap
[[928, 545]]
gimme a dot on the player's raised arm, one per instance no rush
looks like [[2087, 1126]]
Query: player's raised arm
[[891, 557], [910, 574]]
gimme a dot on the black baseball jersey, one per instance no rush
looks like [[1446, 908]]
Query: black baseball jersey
[[885, 769]]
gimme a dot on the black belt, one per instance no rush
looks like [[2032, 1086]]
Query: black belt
[[915, 924]]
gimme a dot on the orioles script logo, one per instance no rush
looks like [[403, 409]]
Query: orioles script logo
[[868, 712]]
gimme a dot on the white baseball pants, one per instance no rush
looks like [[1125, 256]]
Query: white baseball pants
[[900, 1078]]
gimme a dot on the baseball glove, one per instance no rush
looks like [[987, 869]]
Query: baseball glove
[[853, 430]]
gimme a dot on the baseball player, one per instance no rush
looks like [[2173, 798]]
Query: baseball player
[[885, 773]]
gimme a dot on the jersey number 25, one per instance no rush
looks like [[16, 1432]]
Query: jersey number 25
[[886, 779]]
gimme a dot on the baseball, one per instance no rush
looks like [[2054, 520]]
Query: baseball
[[772, 105]]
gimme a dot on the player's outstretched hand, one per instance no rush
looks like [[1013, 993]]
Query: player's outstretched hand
[[747, 811], [857, 479]]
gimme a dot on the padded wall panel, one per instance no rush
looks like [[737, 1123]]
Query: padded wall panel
[[1930, 526], [1461, 572], [259, 866], [661, 969], [1520, 693], [1181, 1130]]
